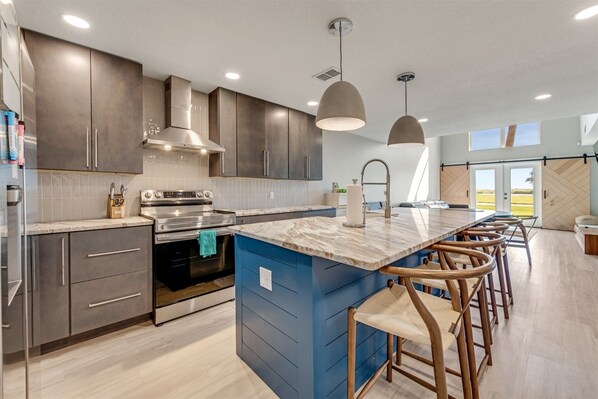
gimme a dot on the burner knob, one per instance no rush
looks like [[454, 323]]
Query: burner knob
[[148, 195], [161, 227], [208, 194], [199, 194], [158, 194]]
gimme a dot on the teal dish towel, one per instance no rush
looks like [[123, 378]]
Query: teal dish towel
[[207, 243]]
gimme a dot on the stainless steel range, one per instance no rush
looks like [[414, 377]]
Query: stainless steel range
[[185, 281]]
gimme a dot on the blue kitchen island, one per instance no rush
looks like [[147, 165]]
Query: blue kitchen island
[[296, 278]]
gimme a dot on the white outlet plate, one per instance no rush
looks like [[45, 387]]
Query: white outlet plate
[[266, 278], [271, 194]]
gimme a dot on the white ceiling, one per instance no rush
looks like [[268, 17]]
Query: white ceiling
[[478, 63]]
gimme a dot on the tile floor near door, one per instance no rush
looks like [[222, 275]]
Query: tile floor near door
[[548, 348]]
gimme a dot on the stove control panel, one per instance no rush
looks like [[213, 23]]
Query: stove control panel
[[149, 196]]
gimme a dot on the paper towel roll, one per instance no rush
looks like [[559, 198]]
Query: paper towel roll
[[354, 204]]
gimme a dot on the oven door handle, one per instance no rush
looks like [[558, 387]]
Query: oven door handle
[[186, 235]]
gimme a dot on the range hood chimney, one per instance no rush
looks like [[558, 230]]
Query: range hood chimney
[[178, 134]]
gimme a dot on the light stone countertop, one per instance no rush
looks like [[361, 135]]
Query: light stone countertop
[[380, 243], [269, 211], [84, 225]]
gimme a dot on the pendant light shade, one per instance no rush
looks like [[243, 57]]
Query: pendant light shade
[[341, 107], [406, 131]]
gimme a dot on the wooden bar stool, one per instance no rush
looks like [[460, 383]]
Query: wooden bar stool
[[489, 243], [422, 318], [502, 265], [517, 234]]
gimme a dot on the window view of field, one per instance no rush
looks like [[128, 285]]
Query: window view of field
[[521, 190]]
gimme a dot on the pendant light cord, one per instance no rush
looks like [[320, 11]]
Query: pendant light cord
[[340, 35], [405, 98]]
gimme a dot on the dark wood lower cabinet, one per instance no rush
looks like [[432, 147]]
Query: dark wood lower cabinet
[[51, 287]]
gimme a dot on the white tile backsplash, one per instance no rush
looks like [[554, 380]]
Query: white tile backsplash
[[62, 195]]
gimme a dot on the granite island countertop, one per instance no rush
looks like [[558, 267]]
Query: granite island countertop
[[380, 243], [85, 225], [270, 211]]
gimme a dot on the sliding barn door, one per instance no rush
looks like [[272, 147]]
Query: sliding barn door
[[565, 193], [454, 184]]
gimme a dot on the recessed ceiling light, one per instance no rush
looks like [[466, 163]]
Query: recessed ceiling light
[[422, 120], [5, 1], [543, 96], [587, 13], [203, 151], [167, 147], [312, 103], [232, 75], [75, 21]]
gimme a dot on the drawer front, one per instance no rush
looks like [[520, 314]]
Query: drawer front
[[320, 212], [101, 302], [104, 253]]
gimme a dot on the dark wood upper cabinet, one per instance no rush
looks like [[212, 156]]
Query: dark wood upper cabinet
[[269, 140], [223, 131], [277, 141], [117, 113], [63, 102], [251, 136], [89, 107], [314, 149], [297, 145]]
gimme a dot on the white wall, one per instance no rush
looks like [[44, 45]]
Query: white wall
[[559, 137], [414, 171]]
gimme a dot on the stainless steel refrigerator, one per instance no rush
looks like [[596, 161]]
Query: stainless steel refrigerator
[[19, 374]]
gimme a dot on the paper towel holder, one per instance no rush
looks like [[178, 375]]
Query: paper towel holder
[[358, 225]]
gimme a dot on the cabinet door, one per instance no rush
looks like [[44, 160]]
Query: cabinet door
[[297, 145], [50, 265], [223, 131], [314, 160], [565, 193], [251, 136], [117, 113], [63, 102], [277, 141]]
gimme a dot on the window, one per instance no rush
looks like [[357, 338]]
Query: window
[[505, 137]]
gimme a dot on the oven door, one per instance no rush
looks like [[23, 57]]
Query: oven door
[[182, 273]]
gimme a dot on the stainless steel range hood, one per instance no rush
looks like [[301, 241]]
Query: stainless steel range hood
[[178, 134]]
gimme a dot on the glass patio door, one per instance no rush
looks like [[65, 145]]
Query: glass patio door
[[510, 187]]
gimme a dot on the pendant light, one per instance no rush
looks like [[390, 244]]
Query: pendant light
[[406, 131], [341, 107]]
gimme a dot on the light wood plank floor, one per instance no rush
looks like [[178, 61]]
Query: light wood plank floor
[[548, 349]]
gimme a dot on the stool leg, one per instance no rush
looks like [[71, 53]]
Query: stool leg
[[351, 343], [465, 377], [399, 354], [526, 241], [389, 342], [438, 364], [493, 305], [485, 320], [503, 287], [505, 262], [471, 353]]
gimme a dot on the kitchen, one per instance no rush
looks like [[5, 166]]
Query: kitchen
[[166, 194]]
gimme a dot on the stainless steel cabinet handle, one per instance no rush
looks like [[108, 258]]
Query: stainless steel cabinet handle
[[5, 325], [122, 251], [33, 266], [122, 298], [63, 262], [308, 167], [222, 164], [305, 166], [96, 148], [264, 162], [87, 146], [267, 163]]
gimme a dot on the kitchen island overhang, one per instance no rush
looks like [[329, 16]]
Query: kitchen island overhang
[[292, 332]]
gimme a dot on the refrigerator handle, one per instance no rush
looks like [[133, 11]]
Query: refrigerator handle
[[14, 196]]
